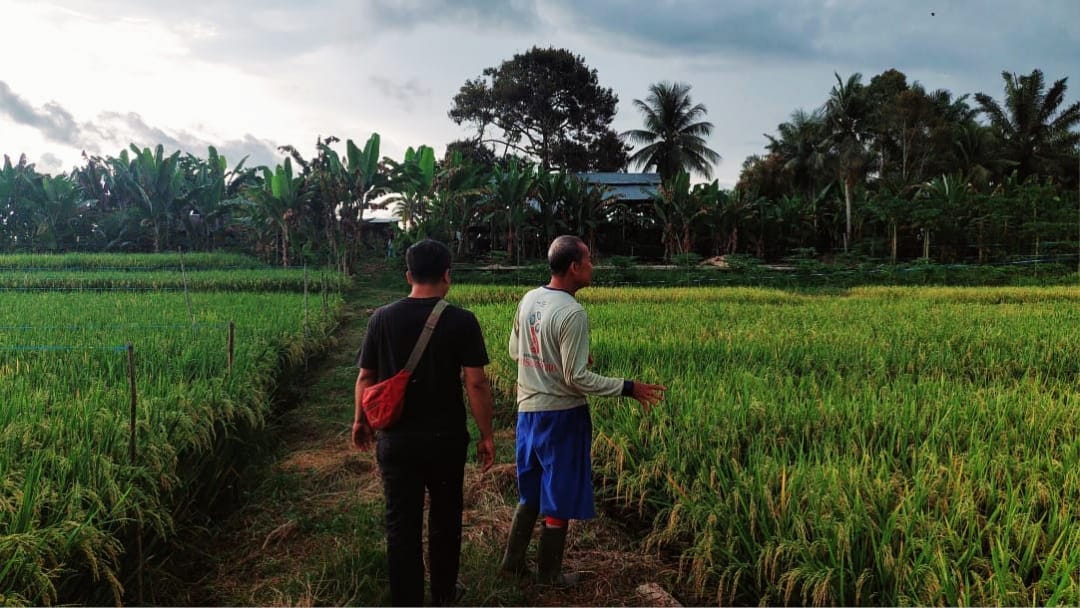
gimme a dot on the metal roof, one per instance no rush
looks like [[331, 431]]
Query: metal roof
[[627, 186]]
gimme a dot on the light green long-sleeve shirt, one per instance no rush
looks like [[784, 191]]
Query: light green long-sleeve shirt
[[550, 342]]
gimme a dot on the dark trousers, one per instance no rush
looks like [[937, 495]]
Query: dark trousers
[[411, 463]]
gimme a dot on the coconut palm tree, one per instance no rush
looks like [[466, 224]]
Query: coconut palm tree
[[846, 114], [800, 144], [1033, 133], [674, 134]]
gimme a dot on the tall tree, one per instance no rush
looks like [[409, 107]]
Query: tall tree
[[547, 104], [846, 114], [509, 192], [674, 134], [1035, 132], [16, 203], [800, 143], [347, 184], [458, 187], [276, 204], [58, 214], [412, 184], [152, 188]]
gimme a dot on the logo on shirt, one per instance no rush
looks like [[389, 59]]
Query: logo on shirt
[[534, 332]]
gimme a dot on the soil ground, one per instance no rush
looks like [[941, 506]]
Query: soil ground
[[306, 528]]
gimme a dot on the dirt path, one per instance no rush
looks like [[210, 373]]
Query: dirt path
[[308, 527]]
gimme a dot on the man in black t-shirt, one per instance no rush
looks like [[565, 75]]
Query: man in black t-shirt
[[426, 447]]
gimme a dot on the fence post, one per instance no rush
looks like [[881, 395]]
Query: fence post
[[231, 344], [325, 300], [305, 303], [306, 315], [187, 296], [131, 455]]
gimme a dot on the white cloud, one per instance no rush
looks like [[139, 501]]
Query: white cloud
[[247, 75]]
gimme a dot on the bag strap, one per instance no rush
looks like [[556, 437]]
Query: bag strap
[[425, 336]]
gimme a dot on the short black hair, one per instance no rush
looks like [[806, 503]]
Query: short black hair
[[427, 261], [565, 250]]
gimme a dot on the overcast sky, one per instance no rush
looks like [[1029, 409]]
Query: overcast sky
[[249, 75]]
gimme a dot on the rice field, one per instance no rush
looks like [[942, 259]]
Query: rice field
[[874, 446], [77, 485]]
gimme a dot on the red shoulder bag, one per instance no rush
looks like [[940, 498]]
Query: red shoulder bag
[[384, 402]]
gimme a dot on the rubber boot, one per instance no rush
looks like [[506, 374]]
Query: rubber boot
[[521, 530], [549, 559]]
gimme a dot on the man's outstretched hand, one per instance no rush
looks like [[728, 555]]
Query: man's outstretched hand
[[648, 395]]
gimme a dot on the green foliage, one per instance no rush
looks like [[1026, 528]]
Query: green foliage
[[674, 137], [738, 262], [127, 262], [881, 170], [686, 260], [548, 104], [1038, 137], [621, 261]]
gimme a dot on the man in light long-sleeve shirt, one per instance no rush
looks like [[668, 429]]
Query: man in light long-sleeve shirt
[[550, 342]]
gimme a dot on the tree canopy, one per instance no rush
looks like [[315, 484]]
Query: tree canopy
[[548, 105], [673, 134]]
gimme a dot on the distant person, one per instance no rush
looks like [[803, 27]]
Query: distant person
[[390, 247], [550, 342], [426, 448]]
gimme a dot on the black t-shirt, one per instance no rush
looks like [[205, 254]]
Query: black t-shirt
[[433, 401]]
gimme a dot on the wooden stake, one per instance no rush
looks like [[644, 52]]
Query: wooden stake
[[187, 296], [325, 300], [306, 315], [305, 303], [232, 343], [131, 456], [134, 400]]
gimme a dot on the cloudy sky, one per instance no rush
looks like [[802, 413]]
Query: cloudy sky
[[249, 75]]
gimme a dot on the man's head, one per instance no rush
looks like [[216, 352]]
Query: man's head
[[570, 262], [428, 262]]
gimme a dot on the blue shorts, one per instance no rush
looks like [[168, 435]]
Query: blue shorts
[[554, 462]]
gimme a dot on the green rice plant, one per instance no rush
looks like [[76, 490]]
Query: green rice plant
[[894, 446], [71, 495], [284, 279], [127, 261]]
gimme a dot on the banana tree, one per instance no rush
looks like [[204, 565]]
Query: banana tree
[[939, 201], [347, 185], [276, 203], [788, 220], [550, 197], [510, 189], [412, 182], [586, 206], [16, 208], [151, 188], [459, 188], [729, 214], [213, 191], [890, 205], [58, 207], [678, 207]]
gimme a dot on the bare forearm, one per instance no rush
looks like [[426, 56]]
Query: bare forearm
[[363, 381], [480, 402], [361, 431]]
